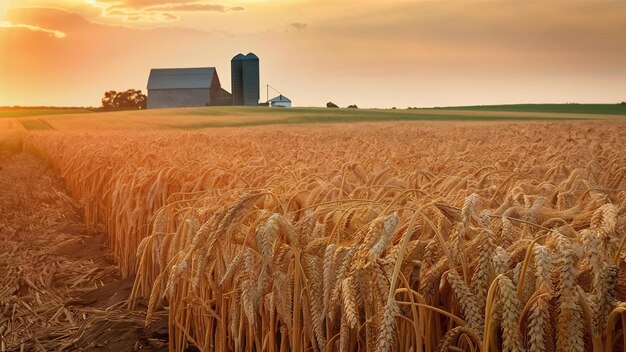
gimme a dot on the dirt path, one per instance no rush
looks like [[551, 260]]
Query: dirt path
[[59, 289]]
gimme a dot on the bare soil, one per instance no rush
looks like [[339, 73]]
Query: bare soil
[[59, 288]]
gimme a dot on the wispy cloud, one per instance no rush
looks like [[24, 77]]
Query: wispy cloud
[[157, 11], [187, 7], [144, 16], [299, 25], [51, 32]]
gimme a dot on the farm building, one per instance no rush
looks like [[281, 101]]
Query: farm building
[[280, 101], [186, 87]]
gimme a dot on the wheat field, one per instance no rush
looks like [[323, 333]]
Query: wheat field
[[504, 236]]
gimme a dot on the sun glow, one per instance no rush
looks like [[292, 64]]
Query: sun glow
[[95, 3], [3, 8]]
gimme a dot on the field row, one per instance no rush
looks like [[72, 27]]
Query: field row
[[234, 116], [378, 237]]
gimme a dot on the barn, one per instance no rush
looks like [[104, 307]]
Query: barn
[[280, 101], [186, 87]]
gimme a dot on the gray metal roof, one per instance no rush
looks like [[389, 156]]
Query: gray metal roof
[[280, 98], [181, 78]]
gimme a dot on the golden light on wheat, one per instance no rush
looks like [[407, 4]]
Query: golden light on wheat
[[379, 237]]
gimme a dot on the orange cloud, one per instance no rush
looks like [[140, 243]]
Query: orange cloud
[[144, 16], [51, 32], [158, 11], [187, 7], [140, 4]]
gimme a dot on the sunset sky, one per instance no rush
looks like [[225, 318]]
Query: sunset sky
[[369, 53]]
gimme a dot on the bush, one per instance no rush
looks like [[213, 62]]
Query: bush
[[130, 99], [330, 104], [353, 106]]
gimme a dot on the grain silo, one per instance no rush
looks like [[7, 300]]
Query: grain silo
[[245, 79], [251, 89], [236, 74]]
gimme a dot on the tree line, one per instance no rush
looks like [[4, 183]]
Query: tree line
[[330, 104]]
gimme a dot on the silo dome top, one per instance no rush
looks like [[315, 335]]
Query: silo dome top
[[238, 57], [251, 56]]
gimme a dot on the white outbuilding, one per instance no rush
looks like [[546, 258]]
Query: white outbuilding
[[280, 101]]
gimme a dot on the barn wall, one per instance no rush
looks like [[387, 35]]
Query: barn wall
[[221, 98], [176, 98]]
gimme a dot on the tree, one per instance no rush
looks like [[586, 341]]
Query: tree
[[330, 104], [107, 101], [353, 106], [128, 100]]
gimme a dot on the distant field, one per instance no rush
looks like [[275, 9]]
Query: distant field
[[607, 109], [197, 118], [237, 116], [4, 112], [230, 116]]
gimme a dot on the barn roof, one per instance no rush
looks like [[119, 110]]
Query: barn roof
[[280, 98], [181, 78]]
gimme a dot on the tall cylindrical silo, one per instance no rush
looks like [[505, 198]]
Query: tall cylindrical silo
[[251, 82], [236, 74]]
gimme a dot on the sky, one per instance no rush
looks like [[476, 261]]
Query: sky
[[369, 53]]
